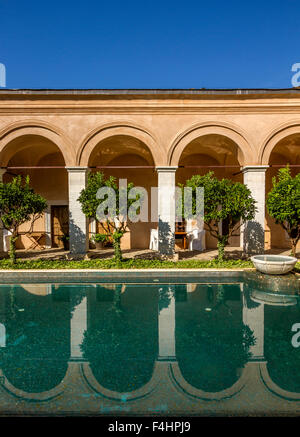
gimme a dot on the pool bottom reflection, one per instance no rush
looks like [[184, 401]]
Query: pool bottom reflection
[[207, 348]]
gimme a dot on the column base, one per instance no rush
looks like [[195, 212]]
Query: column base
[[76, 256], [258, 359], [77, 360], [171, 257], [167, 358]]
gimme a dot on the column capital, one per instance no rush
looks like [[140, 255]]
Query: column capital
[[166, 168], [255, 168], [77, 169]]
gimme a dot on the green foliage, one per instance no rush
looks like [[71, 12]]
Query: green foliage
[[100, 238], [19, 204], [89, 204], [88, 199], [283, 359], [120, 344], [215, 350], [36, 355], [224, 200], [126, 264], [211, 349], [283, 204]]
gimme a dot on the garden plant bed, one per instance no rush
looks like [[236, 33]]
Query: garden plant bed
[[5, 264]]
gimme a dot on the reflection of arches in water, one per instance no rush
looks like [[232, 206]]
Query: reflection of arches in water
[[212, 343], [196, 393], [121, 341], [254, 378], [137, 394], [283, 359], [254, 382], [276, 389], [271, 317], [37, 340], [42, 396], [252, 393]]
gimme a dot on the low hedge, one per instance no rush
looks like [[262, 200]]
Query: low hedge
[[125, 264]]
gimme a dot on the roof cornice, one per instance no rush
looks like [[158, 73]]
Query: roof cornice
[[154, 93]]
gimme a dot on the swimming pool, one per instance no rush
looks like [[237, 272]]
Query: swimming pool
[[208, 345]]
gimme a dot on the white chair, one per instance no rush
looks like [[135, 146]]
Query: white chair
[[195, 235], [196, 239], [6, 240], [153, 239]]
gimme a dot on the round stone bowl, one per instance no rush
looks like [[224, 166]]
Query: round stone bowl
[[274, 264]]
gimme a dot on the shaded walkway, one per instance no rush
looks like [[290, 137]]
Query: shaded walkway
[[209, 254]]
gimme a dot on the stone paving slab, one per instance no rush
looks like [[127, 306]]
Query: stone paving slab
[[207, 255]]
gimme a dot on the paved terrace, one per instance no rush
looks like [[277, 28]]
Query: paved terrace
[[209, 254]]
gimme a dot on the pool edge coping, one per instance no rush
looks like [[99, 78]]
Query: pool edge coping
[[154, 270], [82, 275]]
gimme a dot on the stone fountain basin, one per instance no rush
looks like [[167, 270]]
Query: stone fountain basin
[[274, 264]]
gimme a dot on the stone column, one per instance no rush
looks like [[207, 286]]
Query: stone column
[[48, 227], [93, 228], [78, 328], [166, 210], [78, 223], [2, 171], [166, 324], [254, 231], [93, 225]]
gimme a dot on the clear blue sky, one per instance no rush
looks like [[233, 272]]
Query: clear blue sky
[[149, 44]]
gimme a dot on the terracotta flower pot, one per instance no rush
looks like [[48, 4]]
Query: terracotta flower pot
[[99, 245]]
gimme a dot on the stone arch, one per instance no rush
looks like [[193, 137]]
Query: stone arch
[[280, 147], [278, 134], [37, 129], [116, 129], [245, 150]]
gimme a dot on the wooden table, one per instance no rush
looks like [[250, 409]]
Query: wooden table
[[183, 235]]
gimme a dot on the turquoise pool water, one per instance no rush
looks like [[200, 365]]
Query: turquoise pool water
[[159, 346]]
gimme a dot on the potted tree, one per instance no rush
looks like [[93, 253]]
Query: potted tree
[[19, 204], [99, 240], [224, 200], [283, 204], [115, 227]]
